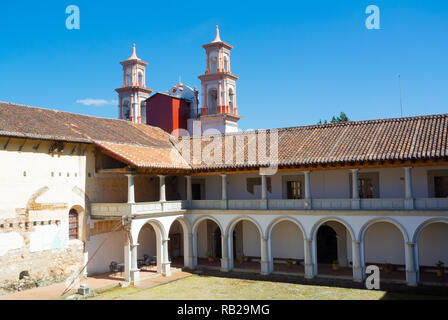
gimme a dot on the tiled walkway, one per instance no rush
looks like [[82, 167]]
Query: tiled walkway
[[104, 281]]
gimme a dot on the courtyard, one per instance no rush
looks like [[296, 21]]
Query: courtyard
[[211, 285]]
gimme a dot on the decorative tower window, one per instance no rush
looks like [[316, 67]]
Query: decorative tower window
[[212, 100], [126, 110], [140, 79], [226, 64], [214, 64], [218, 89], [128, 79], [133, 89], [231, 96]]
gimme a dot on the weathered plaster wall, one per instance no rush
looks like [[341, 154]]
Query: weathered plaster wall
[[41, 189]]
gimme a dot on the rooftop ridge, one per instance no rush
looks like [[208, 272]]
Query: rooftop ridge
[[326, 125], [76, 114]]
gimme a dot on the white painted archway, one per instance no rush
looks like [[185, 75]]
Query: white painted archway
[[263, 242]]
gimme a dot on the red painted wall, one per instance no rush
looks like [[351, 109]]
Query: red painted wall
[[166, 112]]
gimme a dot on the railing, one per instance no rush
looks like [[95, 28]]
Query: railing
[[322, 204], [145, 208], [140, 208]]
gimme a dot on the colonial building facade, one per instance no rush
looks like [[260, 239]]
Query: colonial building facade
[[84, 191]]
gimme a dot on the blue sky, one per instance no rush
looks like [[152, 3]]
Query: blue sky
[[298, 61]]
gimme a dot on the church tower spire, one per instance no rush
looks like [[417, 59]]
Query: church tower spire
[[133, 93], [219, 109]]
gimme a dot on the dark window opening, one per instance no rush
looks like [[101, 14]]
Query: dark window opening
[[73, 224], [327, 245], [294, 190], [365, 186], [441, 187]]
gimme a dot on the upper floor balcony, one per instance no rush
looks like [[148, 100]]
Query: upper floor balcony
[[297, 187]]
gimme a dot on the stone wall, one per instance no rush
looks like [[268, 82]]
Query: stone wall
[[39, 268]]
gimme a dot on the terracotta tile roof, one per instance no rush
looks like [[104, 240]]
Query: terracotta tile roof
[[145, 157], [138, 144], [420, 137], [144, 146]]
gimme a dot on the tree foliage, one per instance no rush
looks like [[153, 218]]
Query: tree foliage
[[341, 118]]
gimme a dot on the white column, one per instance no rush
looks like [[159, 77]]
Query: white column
[[224, 187], [224, 253], [265, 264], [224, 191], [189, 192], [264, 190], [355, 189], [162, 188], [127, 262], [195, 249], [358, 273], [166, 264], [411, 273], [135, 272], [309, 268], [264, 193], [188, 261], [131, 192], [308, 204], [409, 201]]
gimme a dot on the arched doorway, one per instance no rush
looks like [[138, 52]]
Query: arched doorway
[[327, 245], [245, 245], [384, 246], [208, 243], [432, 245], [147, 253], [217, 243], [287, 247], [334, 249], [176, 245]]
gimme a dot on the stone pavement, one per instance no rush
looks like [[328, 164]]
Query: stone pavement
[[103, 282]]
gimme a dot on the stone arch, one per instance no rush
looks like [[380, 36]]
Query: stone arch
[[160, 235], [196, 223], [339, 249], [383, 252], [235, 221], [274, 222], [157, 225], [273, 250], [419, 248], [319, 223], [199, 248], [187, 245], [369, 223], [229, 232], [424, 224]]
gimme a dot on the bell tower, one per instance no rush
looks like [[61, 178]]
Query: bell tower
[[219, 109], [133, 93]]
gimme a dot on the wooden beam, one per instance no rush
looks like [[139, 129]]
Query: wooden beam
[[36, 147], [6, 144], [116, 171], [23, 143], [315, 167]]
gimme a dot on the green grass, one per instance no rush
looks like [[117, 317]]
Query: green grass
[[212, 288]]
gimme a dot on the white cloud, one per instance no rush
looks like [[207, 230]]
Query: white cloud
[[96, 102]]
